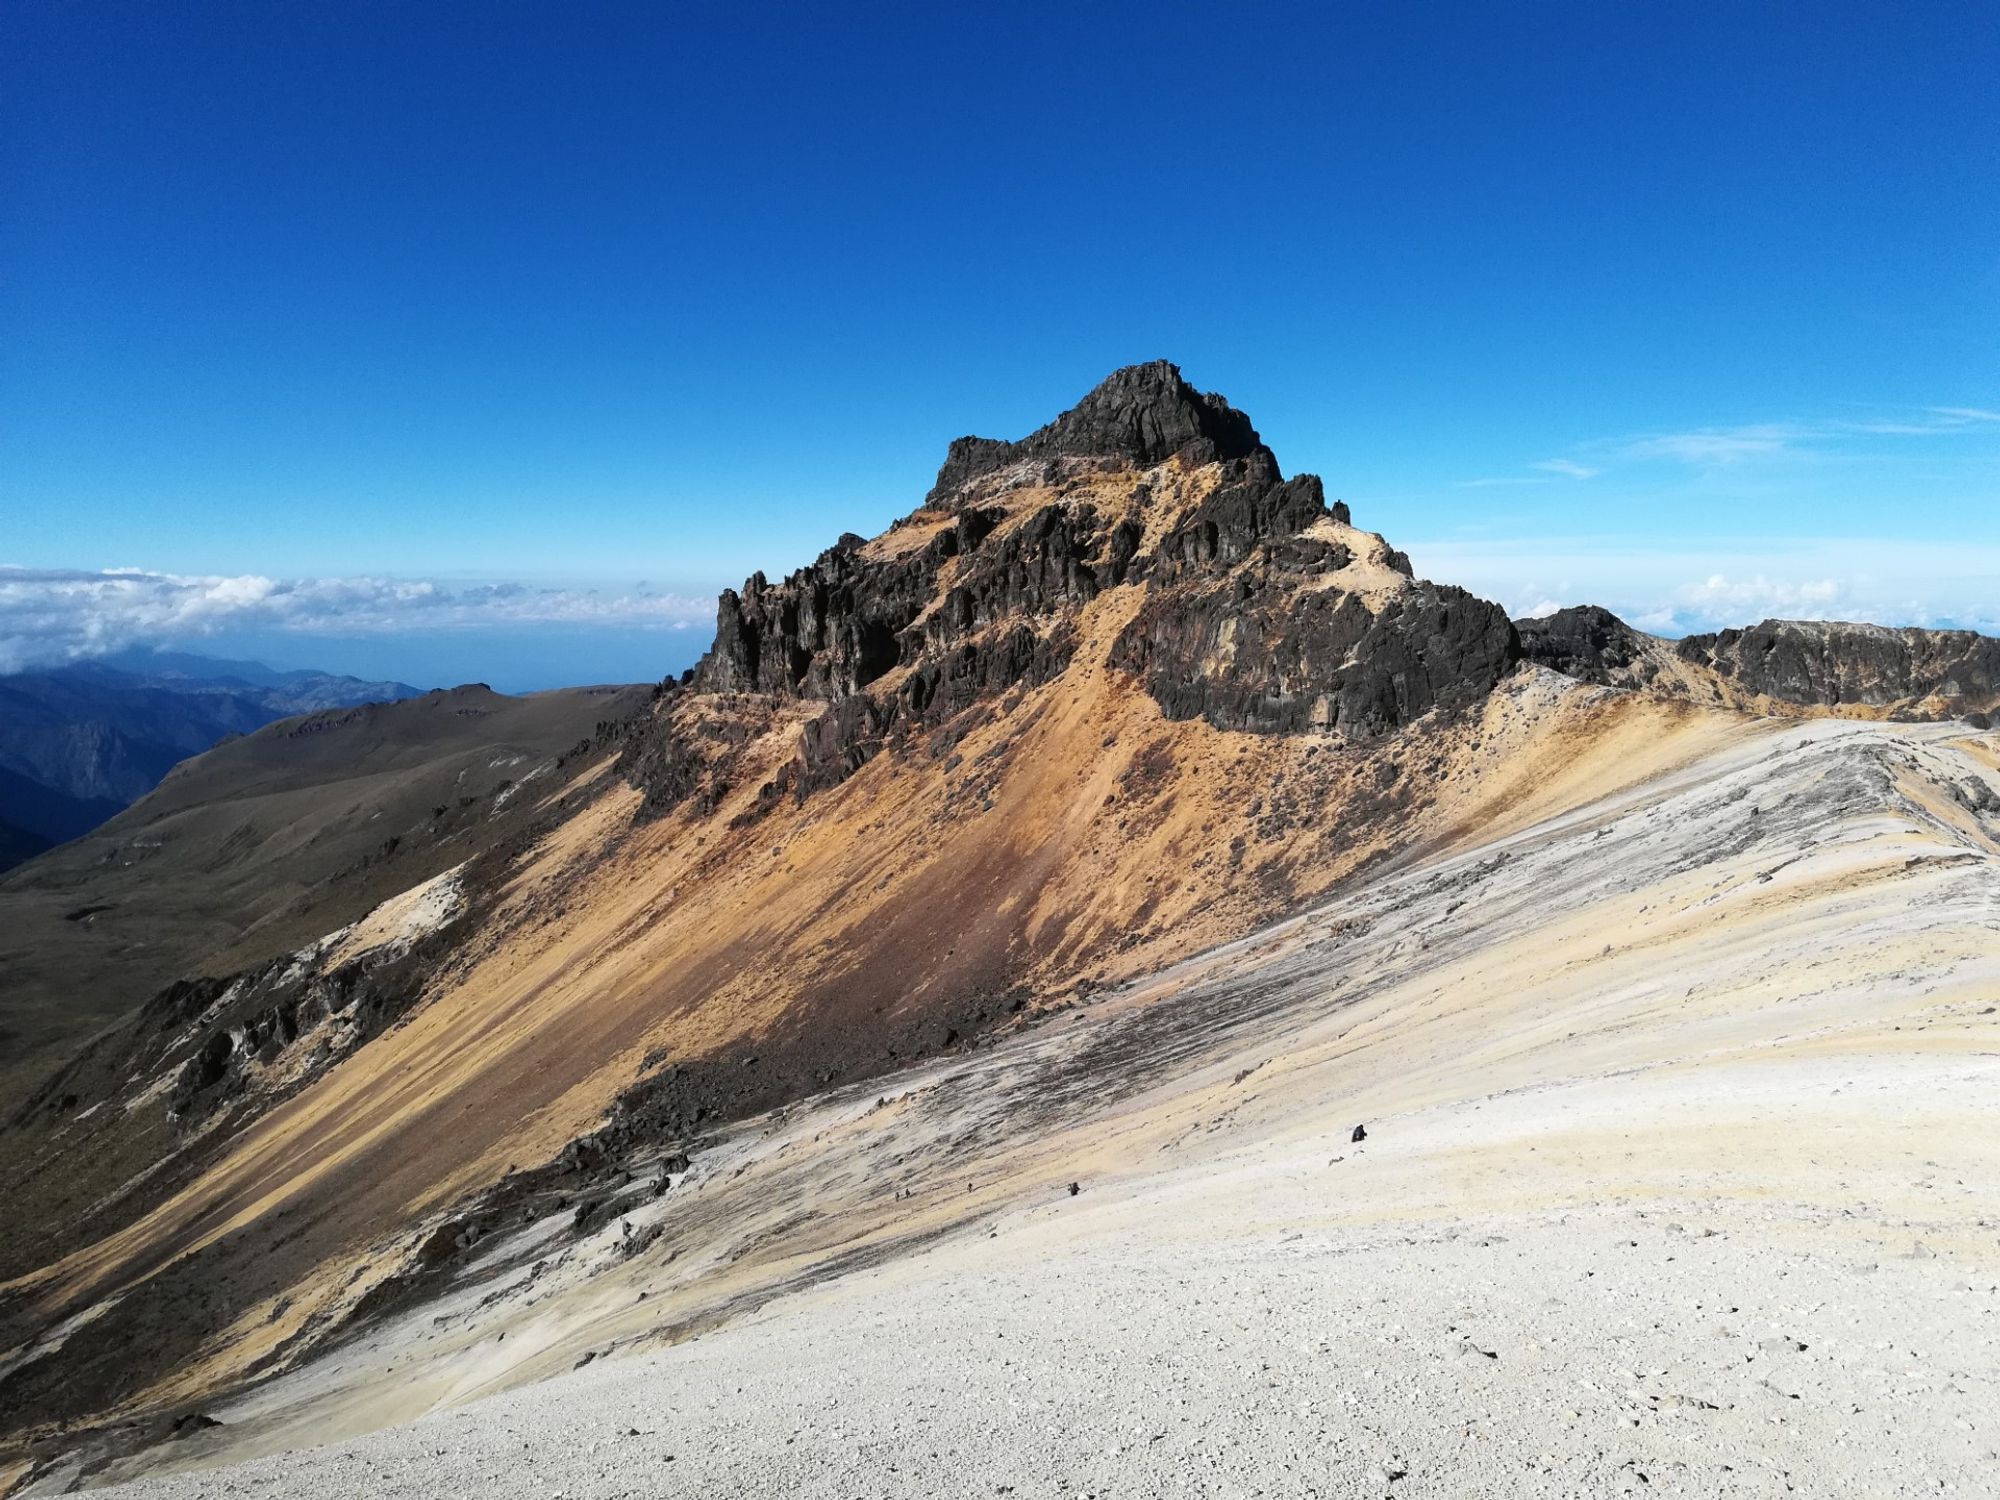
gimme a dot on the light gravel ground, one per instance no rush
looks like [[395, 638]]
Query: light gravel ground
[[1178, 1337], [1683, 1177]]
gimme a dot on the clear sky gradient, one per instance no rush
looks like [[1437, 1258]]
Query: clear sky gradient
[[1689, 309]]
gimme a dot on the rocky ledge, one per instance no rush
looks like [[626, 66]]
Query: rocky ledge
[[1829, 665], [1833, 663]]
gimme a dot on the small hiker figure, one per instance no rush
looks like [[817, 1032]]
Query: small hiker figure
[[1360, 1134]]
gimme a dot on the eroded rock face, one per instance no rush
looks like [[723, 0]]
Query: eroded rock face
[[1142, 415], [1318, 659], [1835, 663], [828, 630], [1591, 644], [1262, 608], [1780, 665], [832, 628]]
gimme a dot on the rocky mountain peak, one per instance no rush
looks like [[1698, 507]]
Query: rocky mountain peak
[[1142, 415], [1241, 597]]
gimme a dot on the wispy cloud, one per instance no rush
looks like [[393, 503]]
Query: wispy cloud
[[1569, 467], [1709, 448], [49, 616], [1725, 445]]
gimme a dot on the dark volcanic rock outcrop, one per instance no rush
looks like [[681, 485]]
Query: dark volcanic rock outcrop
[[1809, 664], [827, 631], [835, 626], [1832, 663], [1262, 608], [1322, 660], [1143, 414], [1591, 644]]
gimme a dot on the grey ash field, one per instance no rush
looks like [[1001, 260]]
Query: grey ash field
[[920, 1052]]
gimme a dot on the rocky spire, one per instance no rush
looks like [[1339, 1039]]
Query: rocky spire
[[1143, 414], [1261, 608]]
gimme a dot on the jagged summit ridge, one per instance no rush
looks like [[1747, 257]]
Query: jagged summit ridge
[[1243, 597], [1142, 414]]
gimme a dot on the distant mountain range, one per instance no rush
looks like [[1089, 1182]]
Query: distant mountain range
[[81, 742]]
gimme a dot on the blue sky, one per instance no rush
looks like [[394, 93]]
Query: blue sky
[[1692, 310]]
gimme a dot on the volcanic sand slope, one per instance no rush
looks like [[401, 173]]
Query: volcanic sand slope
[[260, 844], [243, 855], [1678, 1063]]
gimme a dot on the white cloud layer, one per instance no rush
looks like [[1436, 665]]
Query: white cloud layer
[[1681, 592], [50, 616]]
